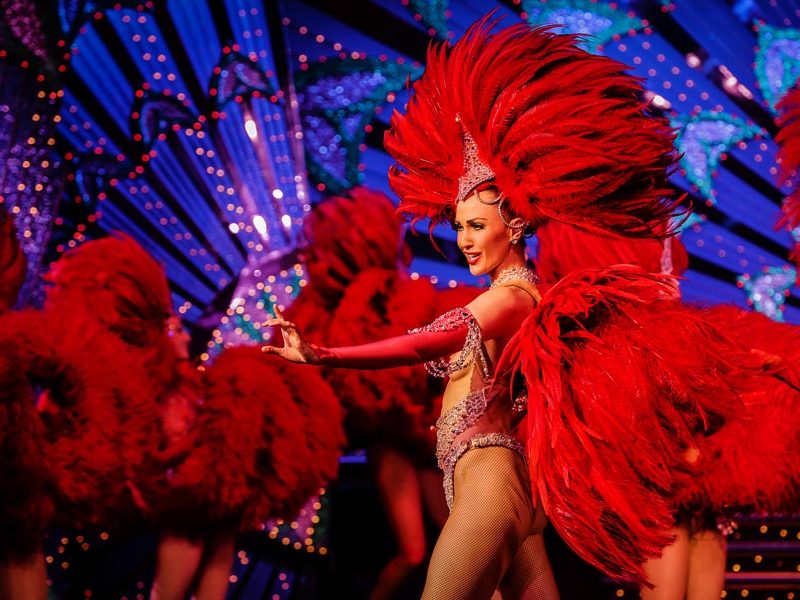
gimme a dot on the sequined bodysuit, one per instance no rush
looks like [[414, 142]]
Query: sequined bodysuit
[[476, 410], [491, 545]]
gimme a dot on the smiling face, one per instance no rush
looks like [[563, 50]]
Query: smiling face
[[484, 238]]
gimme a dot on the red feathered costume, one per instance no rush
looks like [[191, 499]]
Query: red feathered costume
[[205, 459], [760, 476], [616, 401]]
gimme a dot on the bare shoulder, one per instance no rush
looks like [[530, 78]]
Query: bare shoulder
[[499, 311], [502, 298]]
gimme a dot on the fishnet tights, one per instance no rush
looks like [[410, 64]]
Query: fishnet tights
[[491, 545]]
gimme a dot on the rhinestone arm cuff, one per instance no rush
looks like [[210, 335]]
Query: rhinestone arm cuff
[[458, 319]]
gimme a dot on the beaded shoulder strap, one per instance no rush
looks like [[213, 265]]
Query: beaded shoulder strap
[[473, 345]]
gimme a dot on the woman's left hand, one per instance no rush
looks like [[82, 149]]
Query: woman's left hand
[[294, 349]]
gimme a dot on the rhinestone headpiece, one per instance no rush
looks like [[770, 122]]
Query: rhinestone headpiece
[[476, 171]]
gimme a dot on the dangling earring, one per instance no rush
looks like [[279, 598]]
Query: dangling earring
[[514, 240]]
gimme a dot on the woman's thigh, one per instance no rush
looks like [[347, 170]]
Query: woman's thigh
[[492, 515]]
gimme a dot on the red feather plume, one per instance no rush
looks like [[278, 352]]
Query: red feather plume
[[564, 249], [622, 381], [127, 291], [121, 280], [349, 234], [564, 131]]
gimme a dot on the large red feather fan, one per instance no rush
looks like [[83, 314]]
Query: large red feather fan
[[92, 420], [759, 475], [322, 425], [565, 132], [753, 458], [623, 381], [125, 288], [259, 453], [12, 263]]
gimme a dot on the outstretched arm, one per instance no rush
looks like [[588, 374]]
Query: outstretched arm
[[398, 351], [495, 313]]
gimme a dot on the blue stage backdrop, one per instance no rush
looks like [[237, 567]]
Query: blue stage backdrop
[[208, 129]]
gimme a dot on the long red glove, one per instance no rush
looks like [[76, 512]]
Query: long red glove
[[399, 351]]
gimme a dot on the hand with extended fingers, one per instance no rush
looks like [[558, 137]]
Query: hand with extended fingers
[[294, 348]]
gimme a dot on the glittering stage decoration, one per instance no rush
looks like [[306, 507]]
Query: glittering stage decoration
[[275, 282], [777, 62], [767, 291], [433, 13], [702, 139], [599, 21], [178, 132], [308, 531], [23, 23], [338, 100], [31, 173], [693, 221]]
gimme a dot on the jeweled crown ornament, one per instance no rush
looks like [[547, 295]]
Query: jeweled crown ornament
[[476, 171]]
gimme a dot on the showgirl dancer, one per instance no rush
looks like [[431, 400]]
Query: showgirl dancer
[[504, 131], [360, 290], [65, 457]]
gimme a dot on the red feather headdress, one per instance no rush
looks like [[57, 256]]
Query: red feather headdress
[[564, 249], [564, 133]]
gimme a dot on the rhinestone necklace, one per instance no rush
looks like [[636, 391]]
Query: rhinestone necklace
[[516, 274]]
